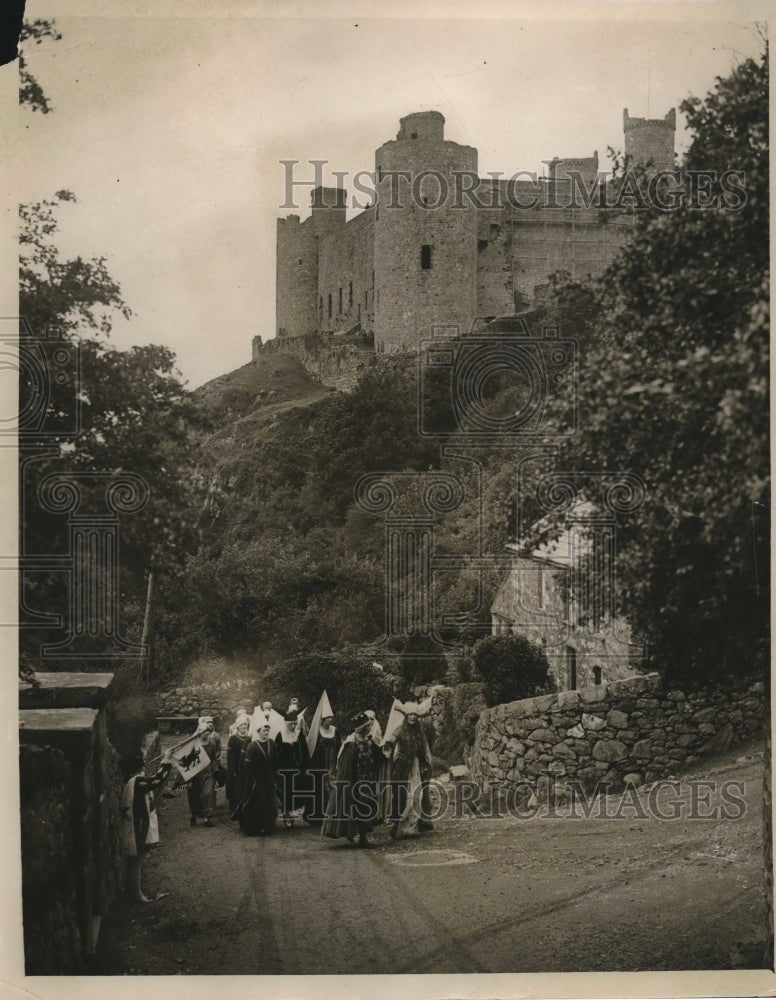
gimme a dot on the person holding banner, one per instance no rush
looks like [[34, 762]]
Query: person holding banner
[[353, 802], [202, 786], [323, 743], [139, 821], [256, 809]]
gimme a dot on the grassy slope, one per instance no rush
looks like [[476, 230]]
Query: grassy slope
[[272, 384]]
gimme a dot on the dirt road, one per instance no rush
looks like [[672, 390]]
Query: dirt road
[[475, 895]]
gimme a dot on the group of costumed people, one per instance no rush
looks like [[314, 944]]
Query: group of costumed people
[[278, 764]]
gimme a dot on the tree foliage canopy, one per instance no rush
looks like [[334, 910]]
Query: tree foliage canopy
[[675, 389], [105, 412]]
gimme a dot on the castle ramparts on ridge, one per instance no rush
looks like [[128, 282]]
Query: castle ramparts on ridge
[[442, 246]]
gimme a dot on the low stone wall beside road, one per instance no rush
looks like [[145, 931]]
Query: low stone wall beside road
[[627, 732]]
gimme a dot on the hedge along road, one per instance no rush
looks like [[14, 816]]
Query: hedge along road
[[544, 894]]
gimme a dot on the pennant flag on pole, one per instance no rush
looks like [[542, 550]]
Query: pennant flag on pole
[[395, 720], [323, 711], [190, 757]]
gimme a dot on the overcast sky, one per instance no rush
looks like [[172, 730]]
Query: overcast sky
[[170, 130]]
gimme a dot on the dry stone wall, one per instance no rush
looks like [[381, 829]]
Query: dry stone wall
[[627, 732], [337, 361], [220, 699]]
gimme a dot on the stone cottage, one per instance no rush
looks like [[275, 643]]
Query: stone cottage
[[559, 595]]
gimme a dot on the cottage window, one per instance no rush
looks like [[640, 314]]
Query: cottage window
[[425, 257], [571, 668], [596, 675], [329, 305]]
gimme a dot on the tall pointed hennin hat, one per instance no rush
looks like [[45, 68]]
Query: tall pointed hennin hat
[[323, 711]]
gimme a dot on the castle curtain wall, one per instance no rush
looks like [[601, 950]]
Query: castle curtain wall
[[346, 266], [427, 255]]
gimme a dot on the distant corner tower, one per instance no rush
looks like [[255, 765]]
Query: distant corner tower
[[650, 140]]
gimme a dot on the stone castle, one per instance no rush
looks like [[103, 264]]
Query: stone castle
[[441, 246]]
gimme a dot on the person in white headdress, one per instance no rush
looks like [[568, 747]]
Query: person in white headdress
[[201, 789], [256, 809], [267, 714], [236, 744], [406, 747]]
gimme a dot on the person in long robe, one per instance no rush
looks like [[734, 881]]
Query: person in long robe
[[235, 746], [139, 821], [352, 809], [256, 810], [407, 750], [201, 789], [323, 766], [293, 762]]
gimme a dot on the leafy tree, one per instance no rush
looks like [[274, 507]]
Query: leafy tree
[[511, 668], [67, 294], [112, 412], [30, 91], [674, 387]]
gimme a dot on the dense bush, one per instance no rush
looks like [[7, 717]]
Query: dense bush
[[131, 710], [511, 668], [461, 707], [352, 685]]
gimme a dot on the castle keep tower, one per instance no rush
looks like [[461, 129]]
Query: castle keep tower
[[650, 139], [425, 250]]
